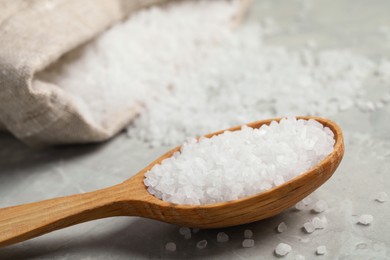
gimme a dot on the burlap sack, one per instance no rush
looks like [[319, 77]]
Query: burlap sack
[[33, 35]]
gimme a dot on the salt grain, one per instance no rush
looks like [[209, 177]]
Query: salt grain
[[184, 230], [201, 244], [236, 164], [222, 237], [309, 227], [248, 243], [382, 197], [282, 249], [320, 206], [170, 246], [281, 227], [300, 206], [319, 223], [248, 233], [365, 219], [188, 75], [321, 250]]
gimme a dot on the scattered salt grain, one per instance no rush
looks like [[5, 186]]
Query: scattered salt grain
[[299, 206], [299, 257], [319, 223], [248, 233], [320, 206], [201, 244], [187, 236], [248, 243], [382, 197], [236, 164], [282, 249], [170, 246], [281, 227], [222, 237], [365, 219], [321, 250], [309, 227], [184, 230]]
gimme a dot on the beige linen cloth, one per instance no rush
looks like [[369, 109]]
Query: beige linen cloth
[[33, 35]]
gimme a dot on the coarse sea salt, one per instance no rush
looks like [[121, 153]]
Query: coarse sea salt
[[248, 233], [222, 237], [281, 227], [321, 250], [170, 246], [248, 243], [282, 249], [201, 244], [320, 206], [365, 219], [382, 197], [236, 164], [187, 79]]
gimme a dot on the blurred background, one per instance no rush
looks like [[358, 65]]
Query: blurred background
[[93, 91]]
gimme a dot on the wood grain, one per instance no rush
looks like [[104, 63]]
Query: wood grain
[[131, 198]]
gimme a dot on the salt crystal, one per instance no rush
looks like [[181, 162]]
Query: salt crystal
[[248, 243], [281, 227], [320, 206], [382, 197], [184, 230], [319, 223], [365, 219], [201, 244], [300, 206], [240, 159], [170, 246], [321, 250], [299, 257], [248, 233], [309, 227], [282, 249], [222, 237]]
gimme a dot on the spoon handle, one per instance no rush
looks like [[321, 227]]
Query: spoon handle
[[19, 223]]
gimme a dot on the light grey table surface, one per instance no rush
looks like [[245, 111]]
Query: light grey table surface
[[28, 175]]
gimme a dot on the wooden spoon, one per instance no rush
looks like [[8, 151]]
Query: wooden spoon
[[131, 198]]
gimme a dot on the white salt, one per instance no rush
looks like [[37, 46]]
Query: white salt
[[201, 244], [319, 223], [248, 233], [382, 197], [170, 246], [300, 206], [222, 237], [248, 243], [320, 206], [365, 219], [299, 257], [282, 249], [281, 227], [187, 79], [236, 164], [309, 227], [321, 250], [184, 230]]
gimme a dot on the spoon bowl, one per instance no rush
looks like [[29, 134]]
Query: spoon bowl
[[131, 198]]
